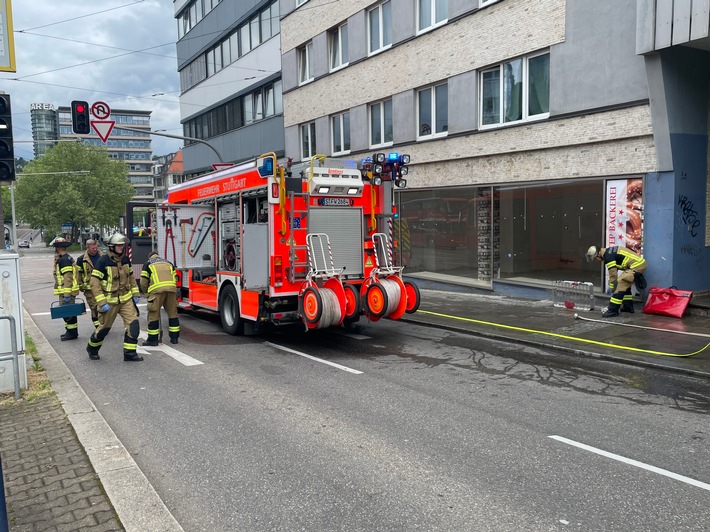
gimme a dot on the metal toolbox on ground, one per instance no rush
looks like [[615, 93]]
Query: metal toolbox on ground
[[67, 311]]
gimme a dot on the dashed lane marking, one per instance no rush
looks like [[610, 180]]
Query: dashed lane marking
[[338, 366]]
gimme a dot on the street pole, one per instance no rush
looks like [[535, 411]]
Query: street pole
[[219, 156]]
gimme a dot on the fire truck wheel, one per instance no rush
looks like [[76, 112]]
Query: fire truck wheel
[[232, 322], [376, 300], [312, 305], [413, 297], [352, 303]]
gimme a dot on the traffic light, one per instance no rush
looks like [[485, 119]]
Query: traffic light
[[7, 153], [80, 118]]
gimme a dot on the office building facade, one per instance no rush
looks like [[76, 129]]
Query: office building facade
[[45, 128], [229, 62], [535, 129], [133, 147]]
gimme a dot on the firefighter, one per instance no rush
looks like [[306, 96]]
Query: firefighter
[[159, 284], [116, 293], [85, 265], [623, 266], [65, 285]]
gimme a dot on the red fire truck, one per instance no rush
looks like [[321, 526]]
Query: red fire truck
[[262, 243]]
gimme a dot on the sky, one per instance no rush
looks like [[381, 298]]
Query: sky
[[121, 52]]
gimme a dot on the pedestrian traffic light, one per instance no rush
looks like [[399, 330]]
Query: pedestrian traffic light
[[80, 118], [7, 153]]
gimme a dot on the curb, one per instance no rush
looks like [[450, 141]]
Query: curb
[[138, 505]]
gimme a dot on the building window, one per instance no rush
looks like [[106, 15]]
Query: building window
[[308, 140], [432, 13], [516, 90], [305, 63], [380, 27], [339, 47], [433, 111], [381, 123], [341, 133]]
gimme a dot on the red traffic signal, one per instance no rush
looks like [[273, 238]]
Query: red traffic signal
[[80, 121]]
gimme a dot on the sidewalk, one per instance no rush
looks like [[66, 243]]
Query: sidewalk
[[51, 452]]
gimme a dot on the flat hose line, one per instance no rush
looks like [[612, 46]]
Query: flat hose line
[[573, 338]]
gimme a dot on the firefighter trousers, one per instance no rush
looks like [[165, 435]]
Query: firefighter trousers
[[91, 303], [71, 324], [168, 301], [128, 313]]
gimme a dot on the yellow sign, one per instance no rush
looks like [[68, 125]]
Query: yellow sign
[[368, 262], [7, 41]]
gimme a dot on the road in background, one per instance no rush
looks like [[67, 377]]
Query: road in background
[[404, 428]]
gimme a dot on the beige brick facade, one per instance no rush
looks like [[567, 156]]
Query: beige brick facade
[[470, 43]]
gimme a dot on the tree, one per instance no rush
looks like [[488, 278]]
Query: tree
[[44, 197]]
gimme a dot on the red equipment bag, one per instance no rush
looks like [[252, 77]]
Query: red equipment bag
[[667, 301]]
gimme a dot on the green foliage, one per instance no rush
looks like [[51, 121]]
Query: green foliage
[[50, 199]]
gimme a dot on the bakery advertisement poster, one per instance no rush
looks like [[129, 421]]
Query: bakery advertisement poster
[[624, 214]]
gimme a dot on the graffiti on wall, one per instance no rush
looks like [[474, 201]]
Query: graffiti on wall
[[689, 215]]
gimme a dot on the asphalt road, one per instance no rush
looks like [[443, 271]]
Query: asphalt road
[[392, 426]]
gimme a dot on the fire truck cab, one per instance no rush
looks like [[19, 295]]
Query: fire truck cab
[[261, 243]]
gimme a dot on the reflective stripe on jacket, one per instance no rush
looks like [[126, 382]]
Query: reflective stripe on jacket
[[65, 283], [112, 280], [621, 258], [158, 276], [85, 265]]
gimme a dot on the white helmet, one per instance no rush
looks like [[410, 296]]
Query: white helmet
[[592, 253], [117, 239]]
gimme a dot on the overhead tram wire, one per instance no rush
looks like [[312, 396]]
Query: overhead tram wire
[[81, 16]]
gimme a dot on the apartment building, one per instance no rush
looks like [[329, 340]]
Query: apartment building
[[229, 62], [133, 147], [535, 129]]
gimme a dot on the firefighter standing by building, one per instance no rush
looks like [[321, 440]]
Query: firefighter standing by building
[[159, 284], [85, 265], [116, 293], [66, 285], [622, 265]]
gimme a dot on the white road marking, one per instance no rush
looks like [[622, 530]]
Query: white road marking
[[181, 357], [338, 366], [635, 463]]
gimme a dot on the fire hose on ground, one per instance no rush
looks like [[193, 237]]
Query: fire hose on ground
[[584, 340]]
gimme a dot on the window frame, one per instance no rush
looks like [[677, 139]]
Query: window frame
[[434, 100], [336, 36], [433, 4], [383, 123], [343, 131], [305, 53], [502, 95], [310, 128], [382, 46]]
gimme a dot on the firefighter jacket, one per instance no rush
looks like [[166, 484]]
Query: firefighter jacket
[[112, 280], [158, 276], [85, 265], [620, 258], [65, 283]]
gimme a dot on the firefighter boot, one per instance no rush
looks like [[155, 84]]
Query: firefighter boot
[[612, 311], [627, 306], [72, 334], [131, 356], [150, 342], [93, 352]]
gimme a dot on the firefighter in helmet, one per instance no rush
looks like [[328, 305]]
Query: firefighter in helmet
[[622, 265], [65, 285], [158, 282], [85, 265], [116, 293]]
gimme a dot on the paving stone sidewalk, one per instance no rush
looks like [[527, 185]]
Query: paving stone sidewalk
[[50, 483]]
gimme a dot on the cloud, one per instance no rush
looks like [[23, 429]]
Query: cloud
[[122, 53]]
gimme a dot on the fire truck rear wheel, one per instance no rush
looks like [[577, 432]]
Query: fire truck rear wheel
[[376, 300], [352, 303], [232, 321], [413, 297], [312, 305]]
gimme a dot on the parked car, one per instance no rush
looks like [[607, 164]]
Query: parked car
[[23, 243]]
